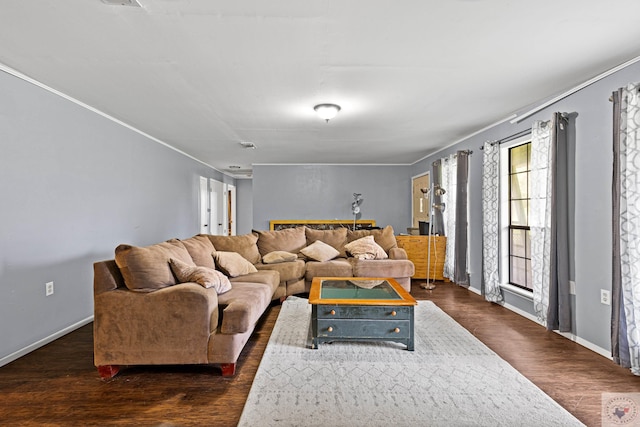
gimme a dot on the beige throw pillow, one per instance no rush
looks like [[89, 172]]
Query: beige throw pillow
[[204, 276], [320, 251], [233, 264], [276, 257], [366, 248]]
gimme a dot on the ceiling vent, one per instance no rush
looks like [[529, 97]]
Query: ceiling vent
[[133, 3], [248, 145]]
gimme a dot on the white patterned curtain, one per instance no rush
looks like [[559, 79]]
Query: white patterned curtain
[[449, 183], [490, 222], [549, 223], [625, 326], [540, 216]]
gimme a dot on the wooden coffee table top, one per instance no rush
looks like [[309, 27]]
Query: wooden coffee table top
[[359, 291]]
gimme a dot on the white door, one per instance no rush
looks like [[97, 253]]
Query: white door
[[205, 218], [218, 205]]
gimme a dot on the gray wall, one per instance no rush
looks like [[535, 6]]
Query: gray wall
[[244, 206], [326, 192], [591, 159], [73, 186]]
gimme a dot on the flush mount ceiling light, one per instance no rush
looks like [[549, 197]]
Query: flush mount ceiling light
[[327, 111]]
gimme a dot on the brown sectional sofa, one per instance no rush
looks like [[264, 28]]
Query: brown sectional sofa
[[143, 316]]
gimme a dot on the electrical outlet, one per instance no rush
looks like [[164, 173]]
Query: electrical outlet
[[48, 288], [605, 297], [572, 287]]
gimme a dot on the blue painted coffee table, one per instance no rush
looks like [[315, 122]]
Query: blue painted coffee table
[[360, 309]]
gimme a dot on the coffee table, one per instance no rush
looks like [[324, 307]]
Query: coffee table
[[360, 309]]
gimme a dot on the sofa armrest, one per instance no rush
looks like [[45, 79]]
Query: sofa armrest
[[398, 253], [168, 326]]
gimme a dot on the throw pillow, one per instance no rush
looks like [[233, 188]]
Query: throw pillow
[[276, 257], [383, 237], [336, 238], [320, 251], [366, 248], [233, 264], [204, 276], [288, 239]]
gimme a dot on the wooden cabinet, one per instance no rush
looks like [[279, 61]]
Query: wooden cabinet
[[418, 251]]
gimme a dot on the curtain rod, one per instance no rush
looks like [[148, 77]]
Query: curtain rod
[[446, 159], [508, 138]]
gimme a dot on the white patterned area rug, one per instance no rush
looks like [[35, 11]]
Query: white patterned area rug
[[451, 379]]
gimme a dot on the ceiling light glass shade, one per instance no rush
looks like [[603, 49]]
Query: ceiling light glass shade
[[327, 111]]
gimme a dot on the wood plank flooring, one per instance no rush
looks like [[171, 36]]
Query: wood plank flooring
[[57, 385]]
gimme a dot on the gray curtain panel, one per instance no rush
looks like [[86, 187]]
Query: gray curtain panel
[[436, 180], [619, 343], [559, 314], [461, 275]]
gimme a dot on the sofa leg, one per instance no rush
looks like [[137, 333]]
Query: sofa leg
[[228, 369], [108, 371]]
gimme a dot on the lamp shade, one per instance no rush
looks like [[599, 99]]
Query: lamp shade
[[327, 111]]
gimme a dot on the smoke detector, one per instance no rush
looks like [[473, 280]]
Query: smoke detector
[[133, 3]]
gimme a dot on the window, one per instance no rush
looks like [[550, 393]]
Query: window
[[518, 223]]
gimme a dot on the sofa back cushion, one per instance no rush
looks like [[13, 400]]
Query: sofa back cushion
[[384, 237], [336, 238], [288, 239], [201, 250], [244, 244], [147, 269]]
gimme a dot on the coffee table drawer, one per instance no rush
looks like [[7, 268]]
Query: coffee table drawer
[[364, 312], [364, 329]]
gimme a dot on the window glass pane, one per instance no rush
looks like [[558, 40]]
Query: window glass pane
[[519, 185], [519, 212], [527, 246], [518, 243], [529, 281], [519, 158], [518, 273]]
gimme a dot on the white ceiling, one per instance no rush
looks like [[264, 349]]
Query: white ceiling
[[412, 76]]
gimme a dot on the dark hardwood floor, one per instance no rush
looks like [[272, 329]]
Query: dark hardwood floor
[[57, 385]]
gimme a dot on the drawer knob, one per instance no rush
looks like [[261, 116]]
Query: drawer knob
[[393, 313], [396, 330], [332, 312], [330, 329]]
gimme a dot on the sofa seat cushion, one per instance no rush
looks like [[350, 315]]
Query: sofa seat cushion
[[293, 270], [339, 267], [147, 269], [267, 277], [288, 239], [244, 244], [243, 305], [394, 268]]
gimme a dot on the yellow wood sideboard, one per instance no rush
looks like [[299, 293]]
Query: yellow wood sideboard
[[417, 251]]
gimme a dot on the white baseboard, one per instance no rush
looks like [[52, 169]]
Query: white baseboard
[[28, 349], [587, 344]]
